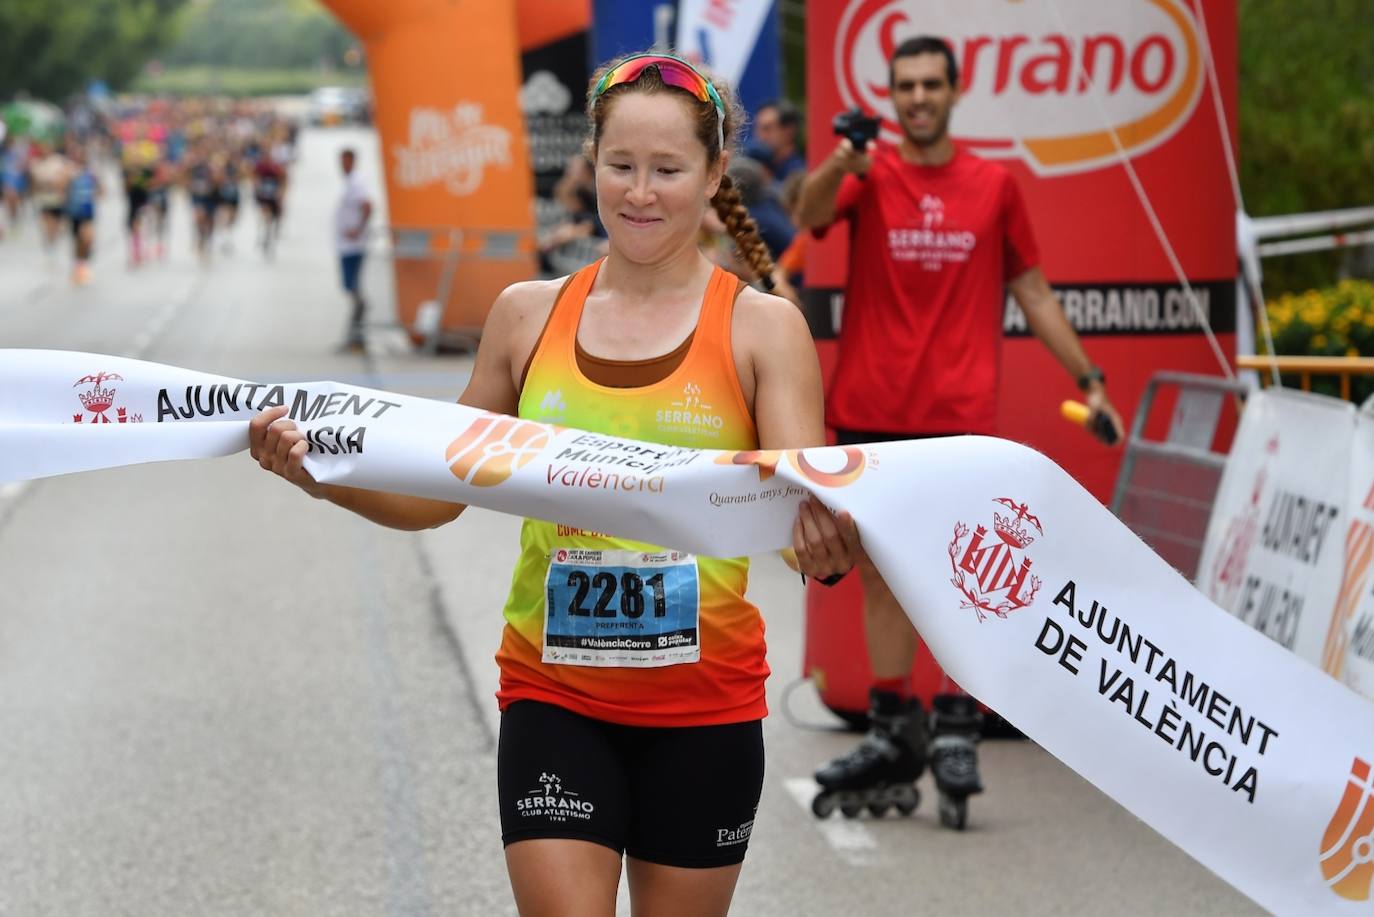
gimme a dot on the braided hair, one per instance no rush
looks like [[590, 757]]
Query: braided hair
[[727, 201], [729, 206]]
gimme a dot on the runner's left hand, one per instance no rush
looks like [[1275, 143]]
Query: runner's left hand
[[826, 544]]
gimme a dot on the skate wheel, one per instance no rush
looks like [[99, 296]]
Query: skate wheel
[[877, 809], [907, 804], [822, 805], [953, 812], [851, 808]]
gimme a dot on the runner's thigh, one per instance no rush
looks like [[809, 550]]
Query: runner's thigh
[[694, 794], [559, 775]]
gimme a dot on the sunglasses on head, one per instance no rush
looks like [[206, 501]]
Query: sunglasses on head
[[674, 72]]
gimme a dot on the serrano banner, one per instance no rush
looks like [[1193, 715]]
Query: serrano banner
[[1030, 593], [1048, 88]]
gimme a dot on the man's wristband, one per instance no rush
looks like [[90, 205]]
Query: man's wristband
[[1094, 374]]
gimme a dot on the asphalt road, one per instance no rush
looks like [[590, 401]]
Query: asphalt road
[[218, 697]]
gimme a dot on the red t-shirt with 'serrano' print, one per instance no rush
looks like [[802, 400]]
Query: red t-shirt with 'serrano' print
[[930, 251]]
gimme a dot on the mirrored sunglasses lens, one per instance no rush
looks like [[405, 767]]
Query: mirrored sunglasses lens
[[684, 79]]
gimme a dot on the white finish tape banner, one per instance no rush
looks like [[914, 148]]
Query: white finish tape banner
[[1275, 542], [1029, 592]]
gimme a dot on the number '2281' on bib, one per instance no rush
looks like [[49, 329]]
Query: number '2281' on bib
[[628, 609]]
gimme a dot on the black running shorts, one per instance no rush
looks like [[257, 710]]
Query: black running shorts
[[677, 796], [138, 199]]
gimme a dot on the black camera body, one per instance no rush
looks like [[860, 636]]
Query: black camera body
[[857, 126]]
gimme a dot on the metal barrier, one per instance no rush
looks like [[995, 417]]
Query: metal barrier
[[1166, 487], [1307, 367]]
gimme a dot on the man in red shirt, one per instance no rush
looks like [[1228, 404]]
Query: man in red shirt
[[935, 235]]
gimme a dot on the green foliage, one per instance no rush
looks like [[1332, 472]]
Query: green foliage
[[241, 82], [1334, 321], [1306, 117], [259, 33], [792, 29], [52, 49]]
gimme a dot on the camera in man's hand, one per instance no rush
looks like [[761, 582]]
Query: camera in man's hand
[[857, 126]]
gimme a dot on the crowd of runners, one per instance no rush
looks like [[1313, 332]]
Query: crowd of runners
[[224, 156]]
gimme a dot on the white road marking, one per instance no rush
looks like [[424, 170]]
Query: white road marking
[[850, 840], [145, 339]]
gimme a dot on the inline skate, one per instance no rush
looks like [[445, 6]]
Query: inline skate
[[880, 772], [953, 751]]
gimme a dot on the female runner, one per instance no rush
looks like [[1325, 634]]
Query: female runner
[[615, 752]]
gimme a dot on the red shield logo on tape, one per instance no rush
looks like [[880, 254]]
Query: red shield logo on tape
[[992, 571], [99, 399]]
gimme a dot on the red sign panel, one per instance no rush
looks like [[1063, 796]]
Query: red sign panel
[[1062, 92]]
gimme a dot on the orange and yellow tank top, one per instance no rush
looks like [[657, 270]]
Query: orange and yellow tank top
[[612, 628]]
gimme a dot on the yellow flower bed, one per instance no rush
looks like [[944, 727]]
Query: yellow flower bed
[[1331, 322]]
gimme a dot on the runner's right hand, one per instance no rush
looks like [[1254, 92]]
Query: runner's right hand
[[279, 447], [847, 159]]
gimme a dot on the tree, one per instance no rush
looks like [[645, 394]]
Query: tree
[[52, 49], [260, 34], [1306, 118]]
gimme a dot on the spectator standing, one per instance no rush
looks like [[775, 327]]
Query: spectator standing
[[575, 192], [350, 241], [935, 235], [777, 139], [756, 191]]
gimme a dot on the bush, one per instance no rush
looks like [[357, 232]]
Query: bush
[[240, 82], [1331, 322]]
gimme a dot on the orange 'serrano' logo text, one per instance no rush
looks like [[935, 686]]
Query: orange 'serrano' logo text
[[494, 448]]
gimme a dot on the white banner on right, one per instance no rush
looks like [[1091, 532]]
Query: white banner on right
[[1275, 543], [1349, 650]]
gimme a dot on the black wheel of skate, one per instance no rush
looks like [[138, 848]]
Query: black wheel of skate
[[822, 805], [850, 808], [877, 809], [908, 804], [953, 812]]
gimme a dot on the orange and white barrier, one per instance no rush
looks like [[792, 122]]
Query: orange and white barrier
[[445, 80], [1028, 591]]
